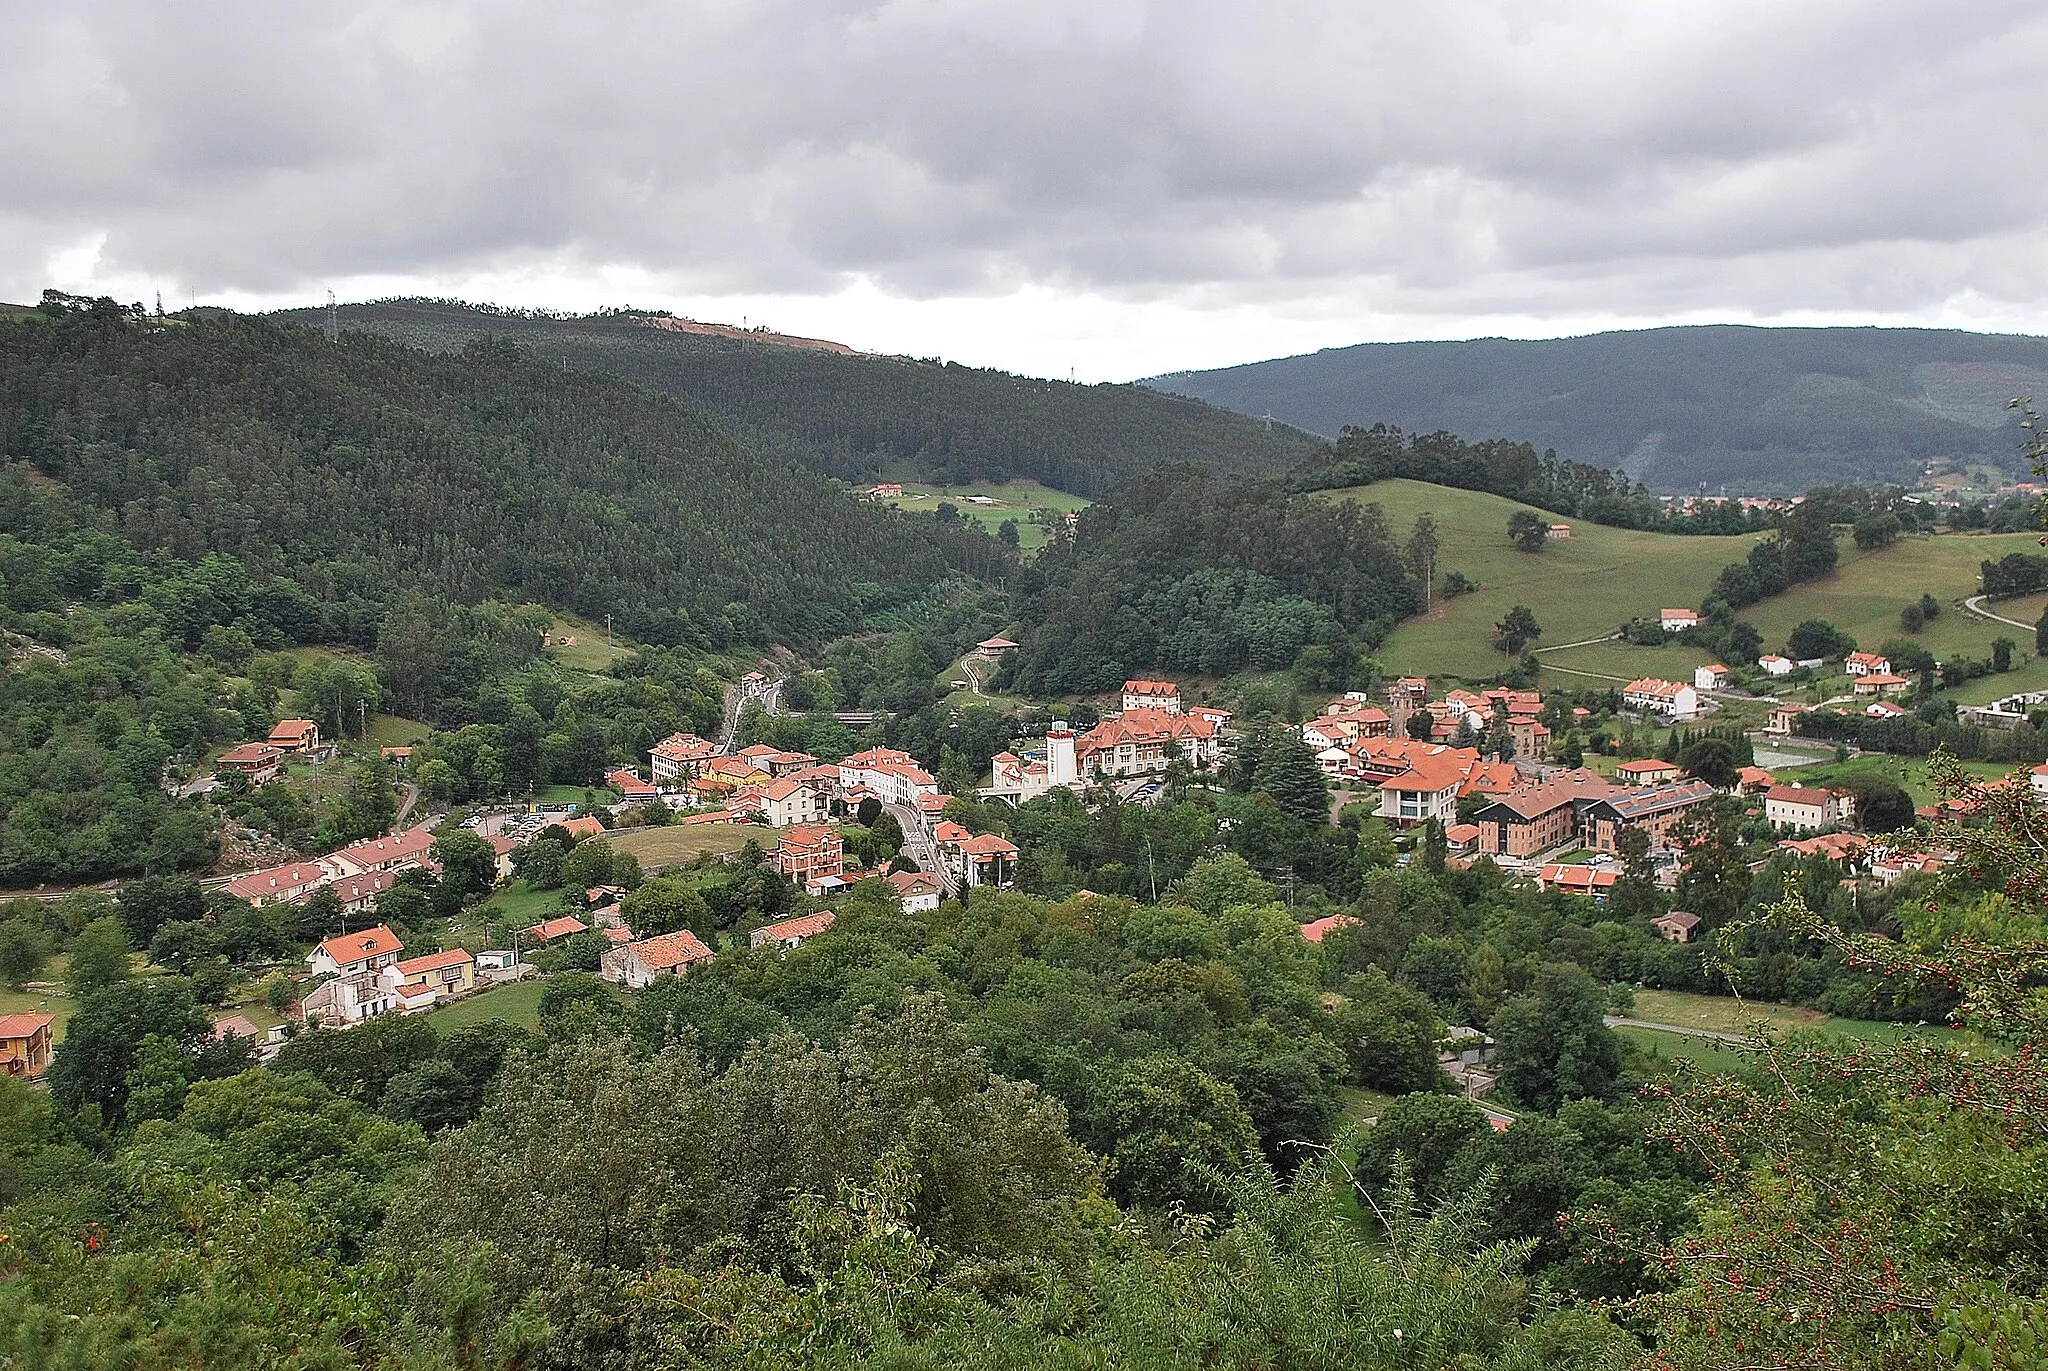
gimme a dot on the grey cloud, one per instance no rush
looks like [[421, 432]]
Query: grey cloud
[[1445, 158]]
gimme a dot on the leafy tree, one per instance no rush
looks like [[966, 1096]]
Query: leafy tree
[[24, 948], [1420, 555], [664, 905], [1423, 1132], [1881, 805], [1162, 1120], [1711, 760], [1389, 1034], [151, 902], [2001, 654], [432, 1093], [99, 958], [1877, 530], [178, 945], [1517, 630], [1554, 1044], [540, 863], [103, 1041], [469, 868], [360, 1063], [1818, 638], [157, 1083], [1528, 531]]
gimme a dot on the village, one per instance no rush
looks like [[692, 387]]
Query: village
[[1476, 771]]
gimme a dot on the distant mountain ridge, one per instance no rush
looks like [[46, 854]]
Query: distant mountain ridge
[[856, 415], [1758, 410]]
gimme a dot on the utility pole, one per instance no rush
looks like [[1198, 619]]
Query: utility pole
[[333, 320], [607, 633]]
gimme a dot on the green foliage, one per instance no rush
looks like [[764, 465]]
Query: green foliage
[[1528, 531], [664, 905], [24, 948], [1517, 630], [858, 417], [99, 958], [103, 1043], [1818, 638], [1154, 580], [1553, 1043]]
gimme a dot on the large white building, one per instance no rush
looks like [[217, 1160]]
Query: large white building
[[894, 777], [1143, 741], [1018, 779]]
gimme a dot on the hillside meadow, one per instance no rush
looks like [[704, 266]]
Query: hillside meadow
[[1581, 587]]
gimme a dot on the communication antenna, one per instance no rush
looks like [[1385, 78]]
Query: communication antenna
[[1269, 420], [333, 320]]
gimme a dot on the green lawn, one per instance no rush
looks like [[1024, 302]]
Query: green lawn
[[1708, 1057], [390, 730], [1019, 499], [1582, 587], [520, 905], [518, 1003], [1726, 1014], [1909, 773], [41, 997]]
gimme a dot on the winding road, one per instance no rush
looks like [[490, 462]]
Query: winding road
[[1975, 604]]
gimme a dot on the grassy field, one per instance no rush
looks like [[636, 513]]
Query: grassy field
[[1019, 499], [1725, 1014], [41, 997], [588, 652], [389, 730], [1708, 1057], [1868, 589], [679, 843], [518, 1003], [1910, 774], [520, 905], [1582, 587]]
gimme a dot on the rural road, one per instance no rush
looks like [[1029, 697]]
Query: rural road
[[1975, 604], [1738, 1039]]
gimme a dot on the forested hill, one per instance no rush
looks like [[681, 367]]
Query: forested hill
[[1761, 410], [362, 470], [855, 416]]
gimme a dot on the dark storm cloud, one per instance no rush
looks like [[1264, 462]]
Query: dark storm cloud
[[1453, 158]]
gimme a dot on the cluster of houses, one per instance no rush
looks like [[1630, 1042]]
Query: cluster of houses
[[265, 761], [1154, 728], [1872, 684], [357, 873]]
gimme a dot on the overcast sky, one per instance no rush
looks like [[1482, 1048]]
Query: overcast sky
[[1116, 188]]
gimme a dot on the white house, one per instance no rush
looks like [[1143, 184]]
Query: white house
[[1713, 677], [1679, 620], [1669, 698], [894, 776], [918, 892], [1774, 665], [1804, 808], [354, 961], [1867, 664]]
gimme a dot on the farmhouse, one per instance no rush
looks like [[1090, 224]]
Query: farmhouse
[[1880, 683], [1649, 771], [1774, 665], [260, 762], [979, 860], [1678, 620], [1867, 664], [791, 933], [295, 735], [26, 1043], [1676, 927], [1713, 676], [1590, 881], [635, 965]]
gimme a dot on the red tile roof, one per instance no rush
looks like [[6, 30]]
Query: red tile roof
[[668, 951], [557, 928], [1324, 927], [14, 1027], [435, 961], [808, 926], [348, 948]]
